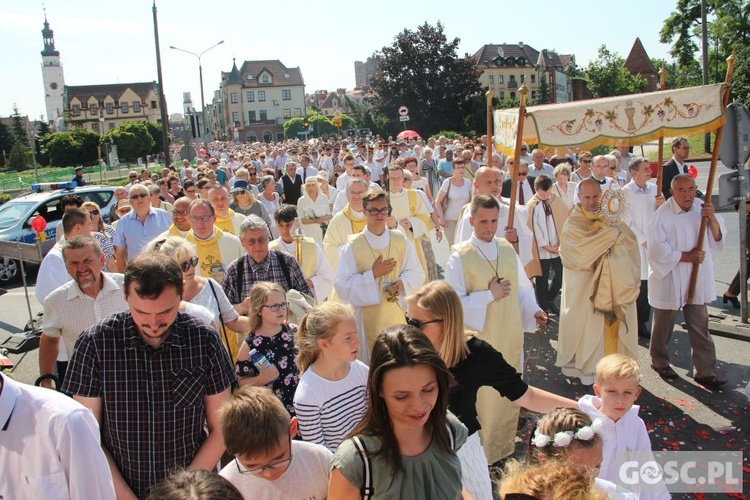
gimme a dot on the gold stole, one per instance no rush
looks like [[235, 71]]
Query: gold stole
[[226, 223], [209, 255], [173, 231], [503, 329], [358, 225], [377, 318], [309, 255]]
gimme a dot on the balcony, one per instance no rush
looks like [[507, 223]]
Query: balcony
[[513, 84]]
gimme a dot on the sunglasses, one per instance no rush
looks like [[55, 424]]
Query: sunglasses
[[192, 262], [138, 196], [94, 212], [419, 324]]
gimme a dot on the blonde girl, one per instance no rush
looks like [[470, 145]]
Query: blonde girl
[[272, 337], [331, 396]]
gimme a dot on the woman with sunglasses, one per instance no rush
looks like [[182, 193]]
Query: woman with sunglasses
[[584, 167], [405, 446], [267, 357], [436, 310], [103, 234], [204, 292]]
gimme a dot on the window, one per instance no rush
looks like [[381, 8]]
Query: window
[[286, 95], [533, 78], [267, 136], [264, 79], [523, 78], [136, 107], [251, 116], [76, 110], [500, 78], [502, 95], [287, 113], [491, 79], [111, 126], [533, 94], [512, 78], [512, 95], [153, 104], [95, 127], [124, 108], [94, 110], [233, 98], [235, 116], [262, 96], [110, 108], [263, 115], [250, 96], [297, 111]]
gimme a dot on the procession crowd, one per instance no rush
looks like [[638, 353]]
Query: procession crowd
[[284, 322]]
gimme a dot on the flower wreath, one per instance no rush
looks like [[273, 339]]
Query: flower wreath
[[564, 438]]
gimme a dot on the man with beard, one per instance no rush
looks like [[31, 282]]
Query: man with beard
[[154, 378]]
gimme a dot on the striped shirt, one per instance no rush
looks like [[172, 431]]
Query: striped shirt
[[327, 410]]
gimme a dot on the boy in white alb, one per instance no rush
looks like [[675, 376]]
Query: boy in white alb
[[617, 386], [268, 464]]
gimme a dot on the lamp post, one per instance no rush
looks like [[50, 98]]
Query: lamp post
[[200, 75]]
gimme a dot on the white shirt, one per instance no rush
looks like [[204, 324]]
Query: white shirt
[[68, 311], [49, 447], [545, 232], [475, 304], [673, 232], [464, 229], [305, 478], [342, 180], [52, 274], [310, 171], [322, 278], [640, 215], [546, 169]]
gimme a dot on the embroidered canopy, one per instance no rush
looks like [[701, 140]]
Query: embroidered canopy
[[636, 118]]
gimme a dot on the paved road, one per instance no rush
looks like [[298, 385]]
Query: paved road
[[680, 415]]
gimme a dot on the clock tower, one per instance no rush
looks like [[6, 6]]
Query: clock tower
[[52, 75]]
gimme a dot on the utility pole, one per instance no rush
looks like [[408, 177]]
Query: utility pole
[[163, 103]]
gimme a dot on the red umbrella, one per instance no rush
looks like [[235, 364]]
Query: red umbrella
[[407, 134]]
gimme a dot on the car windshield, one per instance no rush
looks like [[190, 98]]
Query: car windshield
[[13, 211]]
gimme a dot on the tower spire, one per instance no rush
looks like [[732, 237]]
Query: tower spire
[[49, 38]]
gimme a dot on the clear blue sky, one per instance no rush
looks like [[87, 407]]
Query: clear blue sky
[[108, 42]]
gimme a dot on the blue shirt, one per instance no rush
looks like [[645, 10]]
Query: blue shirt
[[221, 176], [445, 166], [134, 235]]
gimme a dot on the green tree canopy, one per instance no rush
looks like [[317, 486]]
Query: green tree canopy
[[6, 142], [20, 156], [77, 147], [606, 76], [420, 70], [17, 126], [133, 140]]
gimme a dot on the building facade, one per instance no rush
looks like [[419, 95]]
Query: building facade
[[102, 108], [363, 71], [258, 98], [52, 76]]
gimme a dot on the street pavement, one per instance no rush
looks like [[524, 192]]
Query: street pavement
[[680, 415]]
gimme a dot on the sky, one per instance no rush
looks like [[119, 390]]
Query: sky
[[104, 41]]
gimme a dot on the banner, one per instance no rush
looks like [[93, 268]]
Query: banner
[[635, 118]]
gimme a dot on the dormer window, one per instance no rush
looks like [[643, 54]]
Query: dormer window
[[250, 77], [264, 79]]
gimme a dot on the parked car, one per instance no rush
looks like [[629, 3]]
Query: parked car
[[16, 215]]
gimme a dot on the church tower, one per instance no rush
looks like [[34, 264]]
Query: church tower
[[52, 75]]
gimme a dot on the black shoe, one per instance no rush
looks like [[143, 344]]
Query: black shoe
[[733, 300], [711, 382], [644, 333]]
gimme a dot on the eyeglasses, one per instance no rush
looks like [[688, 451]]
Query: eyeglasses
[[524, 149], [94, 212], [192, 262], [133, 176], [123, 210], [189, 191], [252, 241], [522, 174], [251, 174], [276, 307], [379, 211], [201, 218], [258, 470], [419, 324], [180, 212], [137, 196], [585, 161]]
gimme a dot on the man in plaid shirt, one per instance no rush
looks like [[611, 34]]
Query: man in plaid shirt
[[154, 378], [260, 264]]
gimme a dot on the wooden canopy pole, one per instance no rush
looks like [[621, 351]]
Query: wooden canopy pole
[[660, 164], [731, 60], [524, 90], [490, 139]]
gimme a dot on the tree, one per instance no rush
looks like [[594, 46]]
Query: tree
[[63, 149], [133, 140], [17, 126], [741, 84], [543, 93], [680, 76], [6, 142], [606, 76], [367, 117], [420, 70], [154, 130], [20, 157]]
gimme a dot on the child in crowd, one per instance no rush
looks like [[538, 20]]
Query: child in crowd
[[568, 435], [268, 463], [617, 386], [547, 214], [550, 480], [273, 338], [331, 396], [187, 484]]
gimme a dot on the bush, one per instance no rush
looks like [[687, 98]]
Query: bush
[[133, 140], [20, 157], [4, 198]]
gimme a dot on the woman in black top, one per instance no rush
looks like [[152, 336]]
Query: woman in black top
[[436, 310]]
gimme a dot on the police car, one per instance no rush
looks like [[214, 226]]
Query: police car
[[44, 200]]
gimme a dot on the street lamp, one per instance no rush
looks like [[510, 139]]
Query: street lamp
[[200, 75]]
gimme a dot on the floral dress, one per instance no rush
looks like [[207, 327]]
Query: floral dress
[[279, 350]]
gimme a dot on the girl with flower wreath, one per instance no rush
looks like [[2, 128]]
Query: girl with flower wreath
[[436, 310], [569, 435]]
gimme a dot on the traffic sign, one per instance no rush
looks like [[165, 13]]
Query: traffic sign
[[337, 114], [403, 118], [735, 147], [403, 111]]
